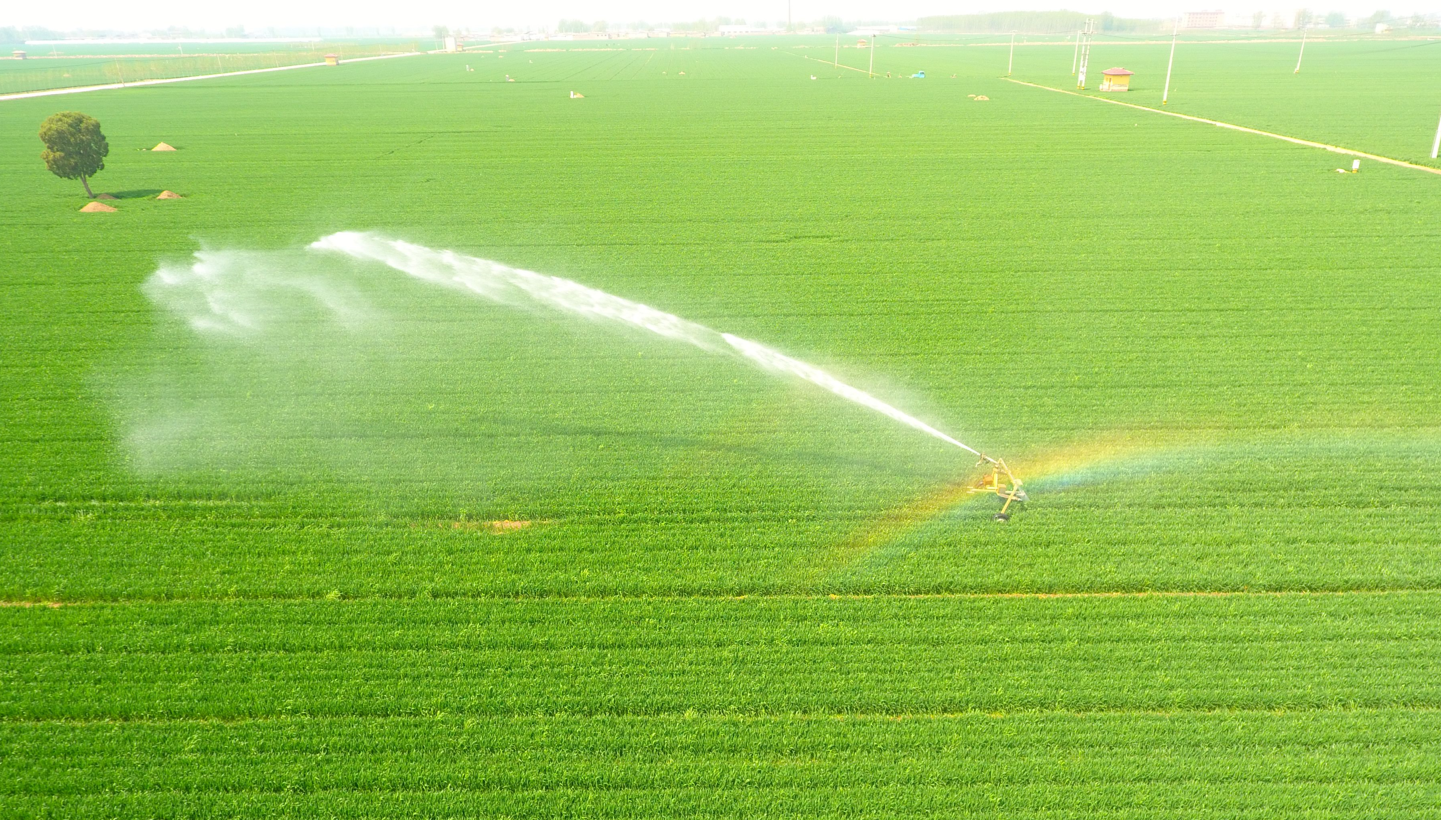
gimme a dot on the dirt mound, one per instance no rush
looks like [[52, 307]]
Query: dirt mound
[[97, 208], [982, 98], [163, 147], [169, 195]]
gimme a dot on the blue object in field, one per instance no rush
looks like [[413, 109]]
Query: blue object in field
[[919, 75]]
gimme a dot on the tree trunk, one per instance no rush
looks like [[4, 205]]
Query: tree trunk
[[86, 183]]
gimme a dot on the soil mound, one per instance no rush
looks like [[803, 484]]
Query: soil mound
[[97, 208], [163, 147], [169, 195]]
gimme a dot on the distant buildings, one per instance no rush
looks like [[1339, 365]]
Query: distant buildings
[[1203, 19]]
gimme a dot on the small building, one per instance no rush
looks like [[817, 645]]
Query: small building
[[332, 59], [1116, 79], [19, 55]]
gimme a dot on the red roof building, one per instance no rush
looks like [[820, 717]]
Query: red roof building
[[1116, 79]]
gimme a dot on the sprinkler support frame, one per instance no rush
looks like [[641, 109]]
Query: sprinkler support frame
[[1003, 483]]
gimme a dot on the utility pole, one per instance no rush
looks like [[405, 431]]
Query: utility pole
[[1435, 146], [871, 72], [1085, 59], [1165, 94], [1075, 57], [1303, 49], [1011, 63]]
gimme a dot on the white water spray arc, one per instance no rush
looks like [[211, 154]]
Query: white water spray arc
[[507, 285]]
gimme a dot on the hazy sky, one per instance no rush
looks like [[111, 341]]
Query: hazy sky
[[257, 14]]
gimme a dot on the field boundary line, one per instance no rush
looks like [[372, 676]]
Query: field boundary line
[[756, 596], [1335, 149], [53, 92]]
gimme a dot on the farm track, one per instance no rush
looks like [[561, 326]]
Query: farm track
[[1335, 149], [54, 92], [379, 721], [757, 596], [823, 62]]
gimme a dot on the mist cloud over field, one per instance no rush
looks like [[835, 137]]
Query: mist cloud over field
[[335, 356]]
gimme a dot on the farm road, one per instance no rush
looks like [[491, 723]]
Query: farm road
[[1336, 149]]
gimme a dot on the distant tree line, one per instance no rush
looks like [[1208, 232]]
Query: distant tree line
[[12, 35], [1308, 19], [1034, 22]]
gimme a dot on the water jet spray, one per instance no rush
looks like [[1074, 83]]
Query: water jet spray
[[506, 285]]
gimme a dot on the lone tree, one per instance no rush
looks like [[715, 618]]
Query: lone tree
[[74, 147]]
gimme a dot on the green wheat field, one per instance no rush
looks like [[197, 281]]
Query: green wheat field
[[377, 548]]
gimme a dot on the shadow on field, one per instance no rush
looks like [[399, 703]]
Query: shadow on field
[[139, 193]]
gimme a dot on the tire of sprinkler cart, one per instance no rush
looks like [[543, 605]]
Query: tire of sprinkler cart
[[1001, 517]]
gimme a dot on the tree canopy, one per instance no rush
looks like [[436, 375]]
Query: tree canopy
[[74, 146]]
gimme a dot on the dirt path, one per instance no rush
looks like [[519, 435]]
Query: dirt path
[[1335, 149], [84, 88]]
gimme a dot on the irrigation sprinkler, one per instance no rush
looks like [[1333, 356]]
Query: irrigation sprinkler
[[871, 71], [1303, 50], [1436, 145], [1012, 61], [1001, 482], [838, 51], [1076, 55], [1165, 94]]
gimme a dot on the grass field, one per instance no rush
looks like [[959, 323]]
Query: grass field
[[1212, 359]]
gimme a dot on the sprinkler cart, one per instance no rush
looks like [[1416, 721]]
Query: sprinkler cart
[[1003, 483]]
